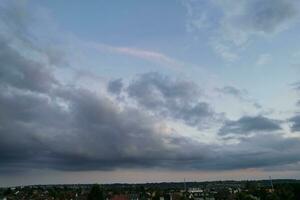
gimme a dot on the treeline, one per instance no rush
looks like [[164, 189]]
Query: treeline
[[281, 191]]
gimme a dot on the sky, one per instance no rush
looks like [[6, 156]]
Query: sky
[[149, 91]]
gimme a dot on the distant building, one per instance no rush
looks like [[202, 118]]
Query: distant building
[[120, 197]]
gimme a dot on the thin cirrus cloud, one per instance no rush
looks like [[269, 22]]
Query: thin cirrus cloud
[[230, 90], [152, 56], [234, 24]]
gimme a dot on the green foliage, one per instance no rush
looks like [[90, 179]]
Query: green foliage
[[285, 192], [222, 194], [7, 192]]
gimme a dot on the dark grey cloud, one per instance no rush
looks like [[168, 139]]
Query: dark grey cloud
[[175, 98], [147, 88], [35, 130], [74, 129], [268, 15], [261, 151], [249, 124], [115, 86], [23, 73], [71, 128], [47, 124], [91, 133], [295, 123]]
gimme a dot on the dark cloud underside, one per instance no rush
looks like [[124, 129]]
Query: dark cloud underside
[[247, 124], [295, 123], [174, 98]]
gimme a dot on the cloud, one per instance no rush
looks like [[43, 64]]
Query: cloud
[[71, 128], [233, 24], [80, 136], [76, 129], [247, 124], [175, 98], [264, 59], [261, 151], [232, 91], [20, 72], [296, 86], [224, 51], [295, 120], [245, 19], [115, 86], [295, 123], [294, 59], [240, 94], [14, 20], [152, 56], [47, 124], [268, 16]]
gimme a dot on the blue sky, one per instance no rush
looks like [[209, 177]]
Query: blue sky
[[178, 30], [114, 90]]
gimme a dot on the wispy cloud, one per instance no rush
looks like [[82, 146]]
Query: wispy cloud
[[233, 25], [240, 94], [264, 59], [152, 56]]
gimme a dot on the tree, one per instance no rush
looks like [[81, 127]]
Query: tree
[[96, 193], [7, 192], [285, 192]]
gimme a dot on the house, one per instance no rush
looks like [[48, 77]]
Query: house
[[119, 197]]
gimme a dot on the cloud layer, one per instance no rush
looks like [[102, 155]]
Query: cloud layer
[[54, 124], [248, 124]]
